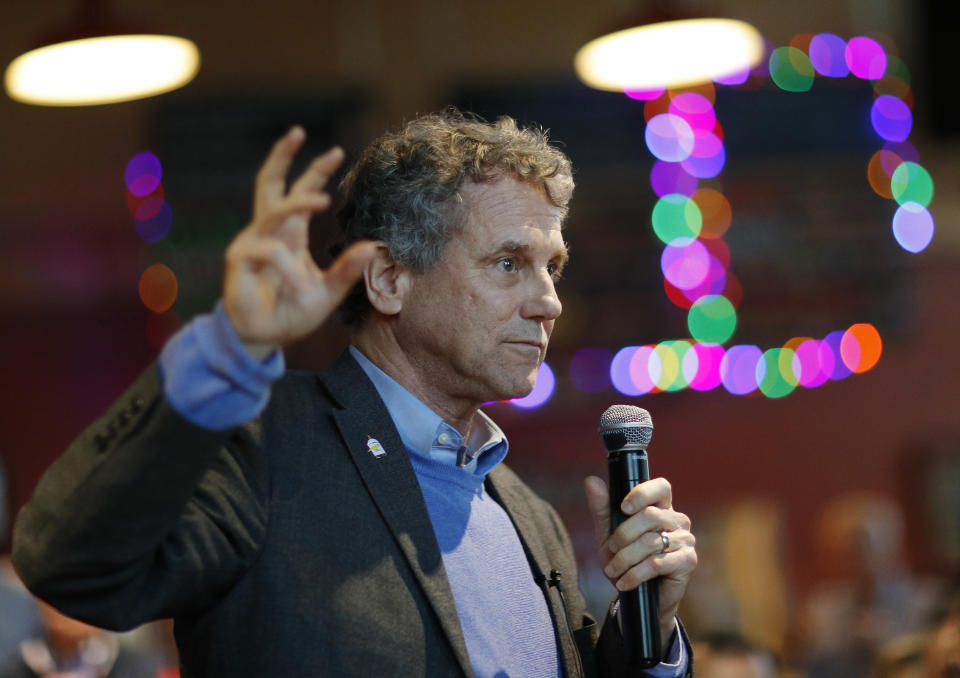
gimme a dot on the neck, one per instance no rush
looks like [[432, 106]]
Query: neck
[[379, 345]]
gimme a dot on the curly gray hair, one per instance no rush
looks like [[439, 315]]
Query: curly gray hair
[[404, 188]]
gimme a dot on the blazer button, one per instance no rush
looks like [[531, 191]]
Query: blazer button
[[135, 405]]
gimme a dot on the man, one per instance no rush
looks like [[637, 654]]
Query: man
[[357, 522], [722, 655]]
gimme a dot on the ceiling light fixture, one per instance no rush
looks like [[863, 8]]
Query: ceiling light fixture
[[669, 54], [97, 62]]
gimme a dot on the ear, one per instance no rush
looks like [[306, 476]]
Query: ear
[[386, 282]]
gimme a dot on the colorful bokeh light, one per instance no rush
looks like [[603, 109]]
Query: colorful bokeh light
[[701, 366], [685, 263], [707, 158], [860, 347], [911, 183], [676, 216], [696, 109], [142, 174], [738, 369], [669, 137], [775, 377], [891, 118], [590, 370], [827, 55], [158, 288], [913, 227], [866, 58], [645, 369], [712, 319], [153, 219], [620, 372], [813, 363], [671, 177], [542, 389], [790, 69]]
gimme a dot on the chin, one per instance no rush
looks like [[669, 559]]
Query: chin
[[521, 390]]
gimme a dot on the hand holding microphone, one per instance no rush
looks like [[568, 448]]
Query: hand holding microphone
[[645, 546]]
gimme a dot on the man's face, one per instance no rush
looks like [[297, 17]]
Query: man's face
[[476, 326]]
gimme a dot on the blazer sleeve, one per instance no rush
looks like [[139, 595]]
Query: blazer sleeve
[[144, 516]]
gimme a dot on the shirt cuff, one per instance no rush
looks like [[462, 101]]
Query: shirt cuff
[[210, 378], [675, 664]]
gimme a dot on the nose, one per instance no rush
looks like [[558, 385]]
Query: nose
[[542, 302]]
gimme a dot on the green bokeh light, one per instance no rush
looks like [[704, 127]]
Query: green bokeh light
[[712, 319], [791, 70], [774, 381], [911, 183], [676, 216]]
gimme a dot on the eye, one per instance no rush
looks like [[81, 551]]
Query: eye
[[507, 264], [555, 271]]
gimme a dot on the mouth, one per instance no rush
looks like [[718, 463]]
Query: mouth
[[524, 345]]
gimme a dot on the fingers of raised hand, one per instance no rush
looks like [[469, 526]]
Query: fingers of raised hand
[[272, 202], [316, 176], [272, 176]]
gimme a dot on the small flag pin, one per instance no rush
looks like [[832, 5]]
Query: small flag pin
[[376, 449]]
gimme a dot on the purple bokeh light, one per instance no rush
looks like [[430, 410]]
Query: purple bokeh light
[[738, 369], [590, 370], [143, 173], [671, 177], [669, 137], [156, 226], [891, 118], [913, 227], [542, 389], [685, 263], [827, 55], [707, 158], [832, 342]]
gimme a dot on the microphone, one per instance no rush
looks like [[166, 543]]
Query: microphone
[[626, 432]]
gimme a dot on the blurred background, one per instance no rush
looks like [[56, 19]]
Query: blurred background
[[827, 509]]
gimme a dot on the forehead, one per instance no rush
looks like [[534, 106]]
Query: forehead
[[507, 207]]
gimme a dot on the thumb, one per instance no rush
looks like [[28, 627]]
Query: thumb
[[598, 501], [347, 269]]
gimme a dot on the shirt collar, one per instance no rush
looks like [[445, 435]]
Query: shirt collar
[[424, 432]]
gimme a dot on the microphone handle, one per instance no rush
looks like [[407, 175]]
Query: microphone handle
[[639, 608]]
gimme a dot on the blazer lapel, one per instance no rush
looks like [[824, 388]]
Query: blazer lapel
[[382, 461]]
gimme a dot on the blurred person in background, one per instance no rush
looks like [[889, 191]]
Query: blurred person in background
[[19, 618], [68, 648], [725, 655], [867, 596]]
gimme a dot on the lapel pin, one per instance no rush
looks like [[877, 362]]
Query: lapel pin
[[376, 449]]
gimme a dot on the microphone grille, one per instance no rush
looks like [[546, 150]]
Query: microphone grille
[[632, 424]]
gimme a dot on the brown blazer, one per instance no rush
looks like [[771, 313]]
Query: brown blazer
[[281, 548]]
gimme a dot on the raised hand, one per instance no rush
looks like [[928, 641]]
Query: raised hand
[[274, 293]]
